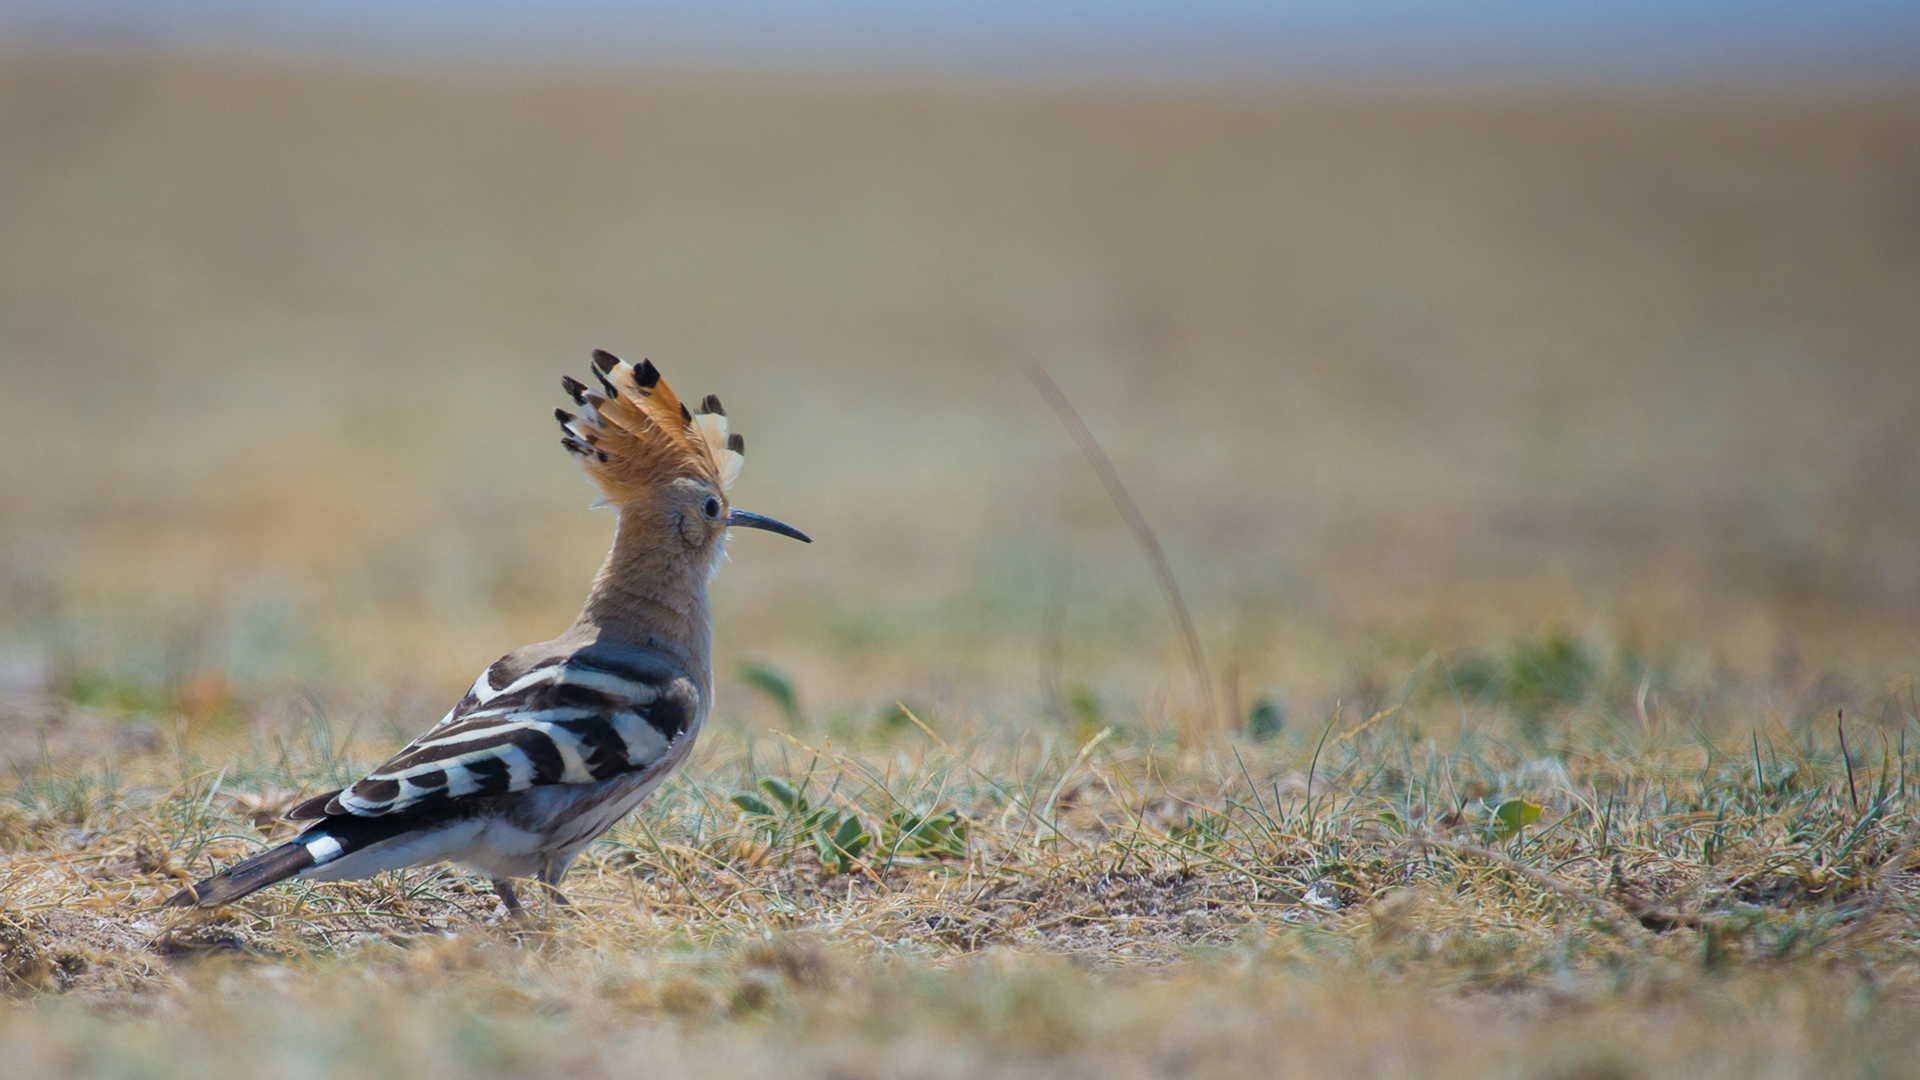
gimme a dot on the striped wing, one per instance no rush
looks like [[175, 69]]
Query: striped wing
[[572, 720]]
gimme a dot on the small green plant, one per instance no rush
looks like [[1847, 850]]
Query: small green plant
[[776, 686], [1537, 678], [1512, 816], [838, 839], [1266, 719], [940, 835], [1086, 710], [1533, 675], [98, 690], [1553, 669], [897, 718]]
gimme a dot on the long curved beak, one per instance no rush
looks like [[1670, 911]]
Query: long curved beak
[[741, 519]]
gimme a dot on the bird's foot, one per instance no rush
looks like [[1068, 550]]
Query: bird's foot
[[515, 910]]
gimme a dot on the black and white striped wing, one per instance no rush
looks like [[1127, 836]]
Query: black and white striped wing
[[572, 720]]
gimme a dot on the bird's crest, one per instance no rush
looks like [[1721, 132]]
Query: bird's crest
[[635, 435]]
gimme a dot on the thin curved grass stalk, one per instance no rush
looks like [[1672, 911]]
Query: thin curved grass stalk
[[1149, 544]]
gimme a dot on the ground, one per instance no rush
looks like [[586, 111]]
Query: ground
[[1629, 903]]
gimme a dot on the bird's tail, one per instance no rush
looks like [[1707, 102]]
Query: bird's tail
[[335, 836], [245, 878]]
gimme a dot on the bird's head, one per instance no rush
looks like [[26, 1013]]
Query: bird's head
[[664, 467]]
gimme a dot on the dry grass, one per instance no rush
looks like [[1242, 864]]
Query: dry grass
[[1357, 897], [1513, 455]]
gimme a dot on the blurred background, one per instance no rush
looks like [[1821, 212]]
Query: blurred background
[[1415, 329]]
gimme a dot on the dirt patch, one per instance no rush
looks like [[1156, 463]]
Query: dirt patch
[[1124, 917], [78, 952]]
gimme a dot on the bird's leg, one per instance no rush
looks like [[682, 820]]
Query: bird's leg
[[550, 877], [507, 897]]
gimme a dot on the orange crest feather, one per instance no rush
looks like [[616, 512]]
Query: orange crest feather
[[638, 436]]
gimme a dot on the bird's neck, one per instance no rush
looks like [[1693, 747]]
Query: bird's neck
[[651, 593]]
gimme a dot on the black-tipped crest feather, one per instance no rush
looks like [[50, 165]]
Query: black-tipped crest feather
[[645, 433]]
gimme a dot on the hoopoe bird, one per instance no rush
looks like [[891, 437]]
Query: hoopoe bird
[[557, 741]]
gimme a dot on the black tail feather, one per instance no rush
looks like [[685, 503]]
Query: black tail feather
[[242, 879], [350, 832]]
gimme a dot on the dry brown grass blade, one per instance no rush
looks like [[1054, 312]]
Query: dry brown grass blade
[[1618, 918], [1149, 544], [1368, 723]]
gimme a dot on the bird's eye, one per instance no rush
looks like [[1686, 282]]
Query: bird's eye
[[711, 508]]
